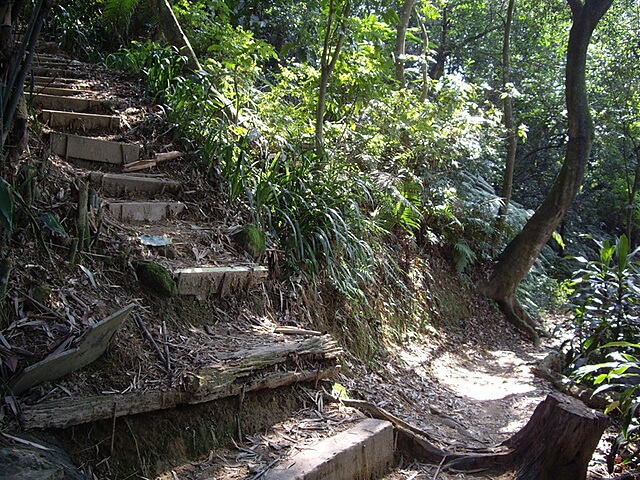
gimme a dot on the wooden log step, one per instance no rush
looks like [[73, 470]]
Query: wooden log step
[[117, 184], [93, 149], [67, 103], [81, 121], [144, 211], [311, 360], [204, 282]]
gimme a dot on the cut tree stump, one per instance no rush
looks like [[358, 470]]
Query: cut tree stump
[[556, 444]]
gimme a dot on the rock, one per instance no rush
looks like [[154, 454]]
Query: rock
[[28, 462], [156, 278], [251, 239]]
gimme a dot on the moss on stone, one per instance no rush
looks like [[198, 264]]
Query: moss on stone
[[252, 239], [156, 278]]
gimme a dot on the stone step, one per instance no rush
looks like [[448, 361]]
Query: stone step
[[204, 282], [81, 121], [363, 452], [118, 184], [93, 149], [133, 212], [67, 103]]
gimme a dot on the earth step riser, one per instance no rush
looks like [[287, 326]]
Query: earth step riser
[[93, 149], [60, 92], [221, 281], [364, 452], [48, 81], [58, 72], [81, 121], [75, 104], [137, 212], [116, 185]]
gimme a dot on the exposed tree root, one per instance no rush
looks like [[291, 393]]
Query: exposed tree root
[[517, 316], [556, 443]]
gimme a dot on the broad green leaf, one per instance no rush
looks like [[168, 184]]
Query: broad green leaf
[[51, 221]]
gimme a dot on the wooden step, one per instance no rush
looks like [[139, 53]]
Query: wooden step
[[93, 149], [204, 282], [67, 103], [118, 184], [81, 121], [242, 372], [144, 211]]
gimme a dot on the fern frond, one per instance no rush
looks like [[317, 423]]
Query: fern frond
[[118, 12], [463, 255]]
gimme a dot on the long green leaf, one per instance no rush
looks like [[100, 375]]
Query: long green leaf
[[6, 207]]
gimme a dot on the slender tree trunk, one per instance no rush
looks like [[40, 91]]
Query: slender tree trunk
[[425, 55], [328, 62], [518, 257], [507, 106], [437, 69], [172, 31], [399, 51], [633, 193]]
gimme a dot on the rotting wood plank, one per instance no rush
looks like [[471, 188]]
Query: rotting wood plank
[[93, 149], [65, 412], [91, 346], [241, 371]]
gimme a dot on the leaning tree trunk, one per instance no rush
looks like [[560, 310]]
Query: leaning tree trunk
[[172, 30], [518, 257]]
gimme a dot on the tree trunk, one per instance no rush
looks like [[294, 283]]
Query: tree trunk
[[399, 51], [327, 64], [437, 69], [556, 444], [424, 94], [507, 107], [633, 192], [518, 257], [172, 31]]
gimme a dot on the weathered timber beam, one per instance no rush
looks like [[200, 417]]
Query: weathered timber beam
[[62, 413]]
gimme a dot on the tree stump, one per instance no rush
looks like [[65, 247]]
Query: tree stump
[[556, 443]]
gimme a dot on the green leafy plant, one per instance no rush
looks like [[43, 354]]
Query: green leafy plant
[[606, 306], [620, 374], [606, 300]]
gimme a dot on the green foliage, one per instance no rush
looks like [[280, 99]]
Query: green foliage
[[6, 208], [463, 255], [118, 13], [606, 299], [606, 305], [619, 374]]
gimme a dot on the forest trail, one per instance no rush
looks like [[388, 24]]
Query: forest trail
[[471, 386]]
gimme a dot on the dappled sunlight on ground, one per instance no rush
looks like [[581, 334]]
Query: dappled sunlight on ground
[[492, 376]]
